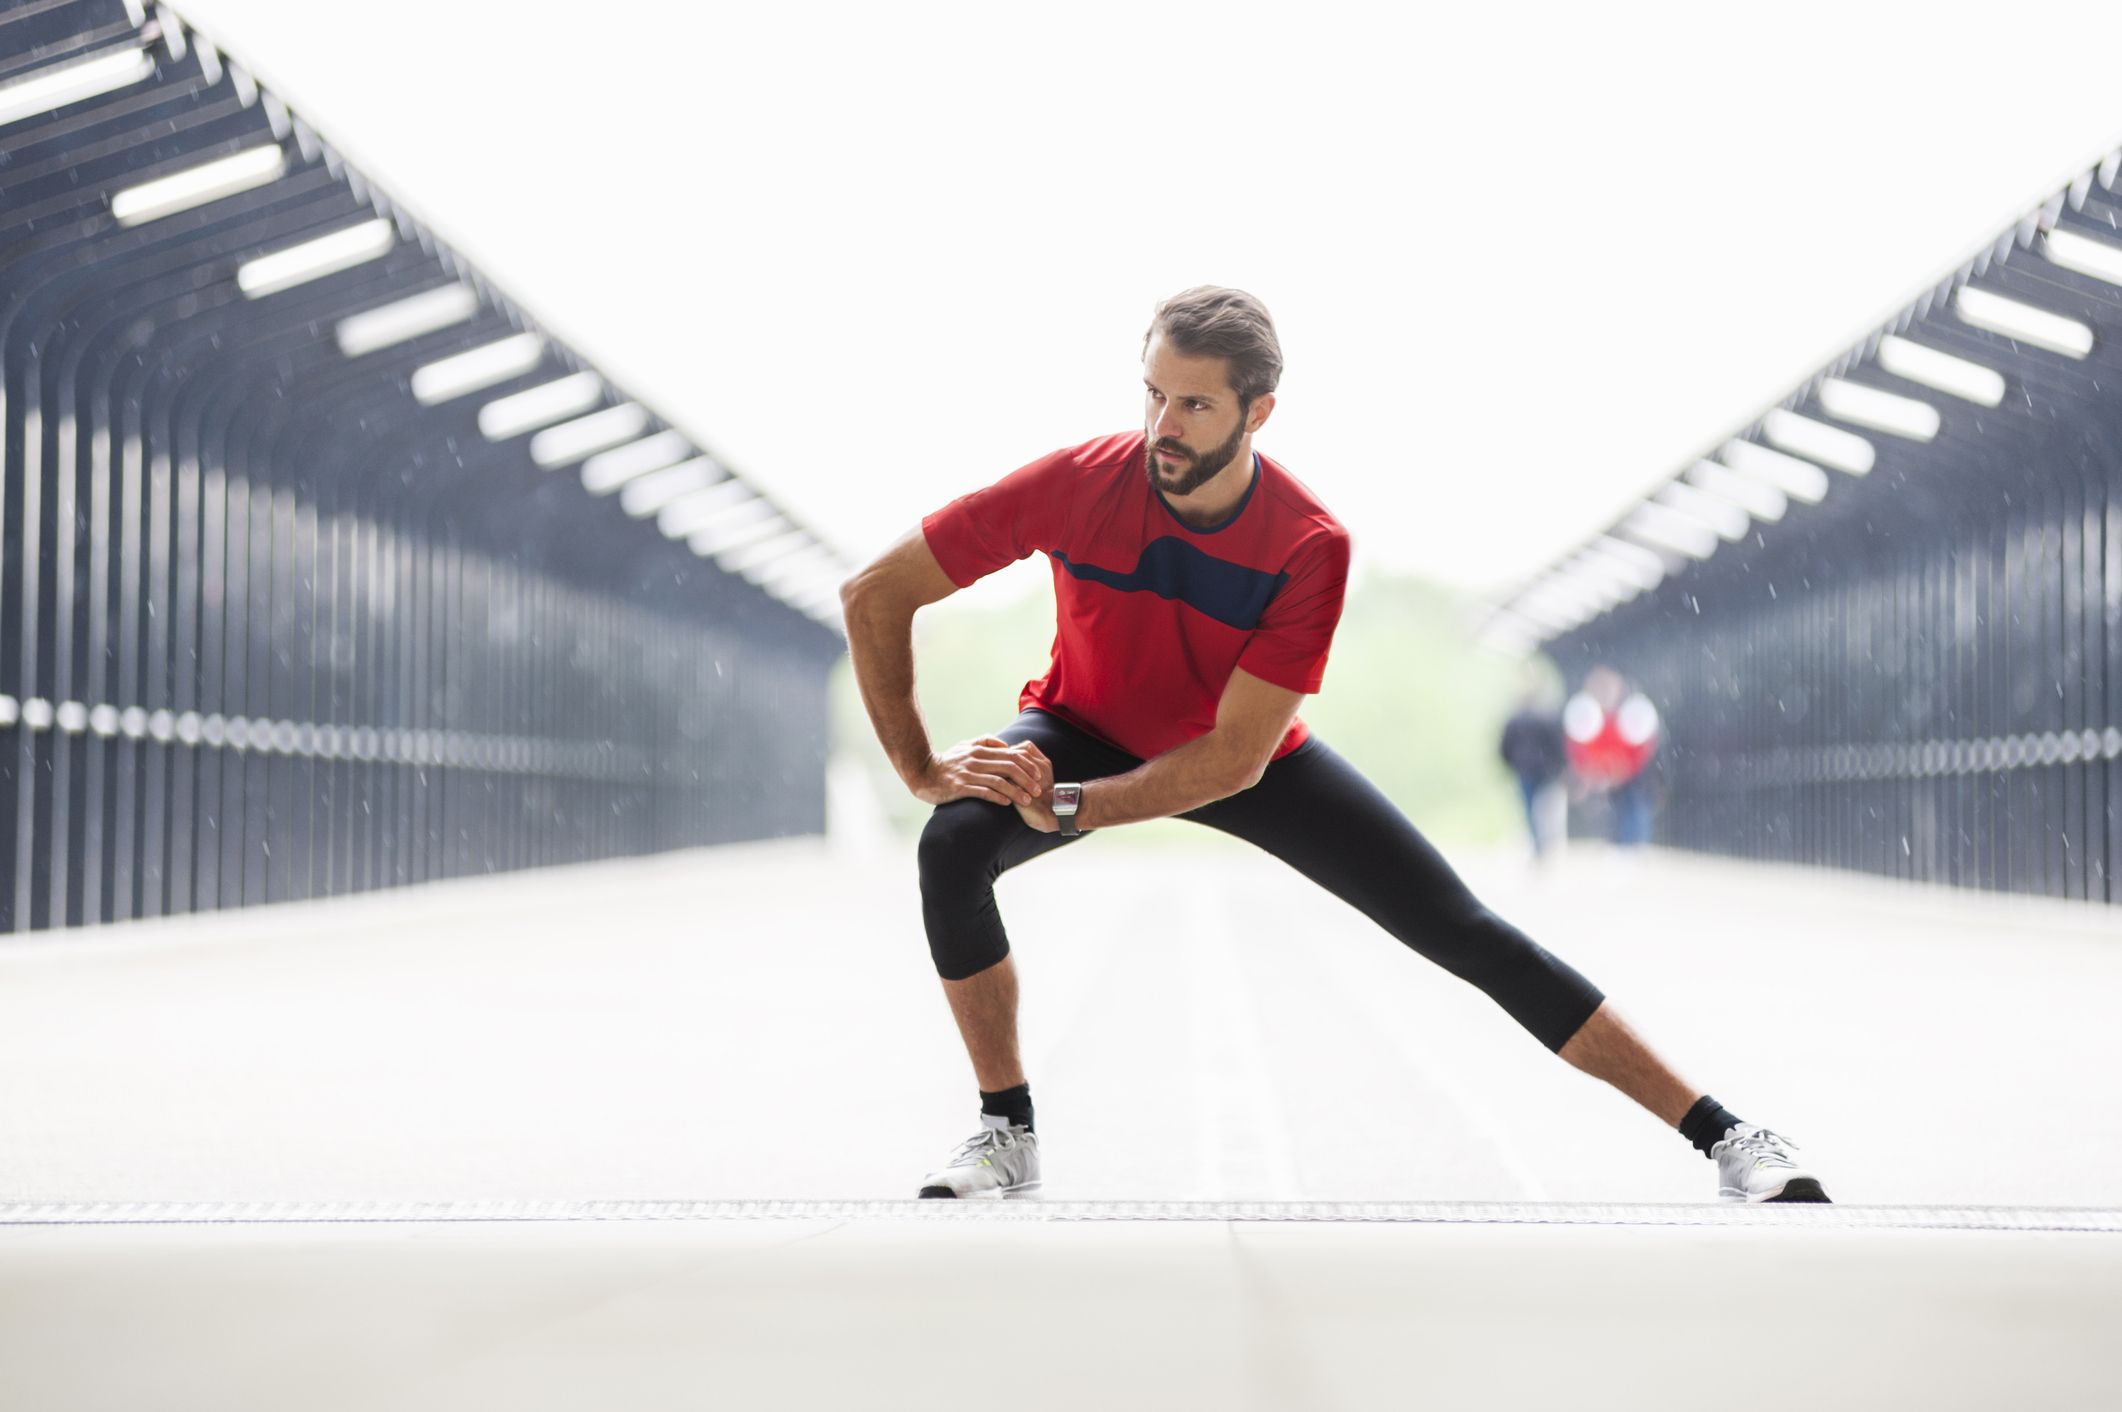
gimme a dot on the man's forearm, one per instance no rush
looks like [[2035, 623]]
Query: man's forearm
[[1199, 772], [880, 648]]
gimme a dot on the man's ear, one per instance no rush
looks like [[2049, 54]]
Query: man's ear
[[1256, 417]]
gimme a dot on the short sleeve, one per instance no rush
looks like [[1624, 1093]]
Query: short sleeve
[[1021, 513], [1289, 646]]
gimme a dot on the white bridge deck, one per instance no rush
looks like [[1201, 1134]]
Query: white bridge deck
[[638, 1135]]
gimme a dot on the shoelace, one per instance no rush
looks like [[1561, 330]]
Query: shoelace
[[1765, 1146], [980, 1144]]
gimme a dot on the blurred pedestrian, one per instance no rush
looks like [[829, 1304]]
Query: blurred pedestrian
[[1611, 733], [1532, 747]]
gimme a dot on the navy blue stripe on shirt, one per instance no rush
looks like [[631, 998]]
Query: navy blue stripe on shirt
[[1171, 568]]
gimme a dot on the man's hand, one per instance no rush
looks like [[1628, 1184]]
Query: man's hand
[[989, 768], [1040, 816]]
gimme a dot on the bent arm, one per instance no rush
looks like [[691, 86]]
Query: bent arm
[[879, 603], [1252, 716]]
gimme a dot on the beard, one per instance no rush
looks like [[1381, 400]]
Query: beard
[[1197, 470]]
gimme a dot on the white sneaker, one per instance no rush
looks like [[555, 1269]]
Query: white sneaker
[[1001, 1160], [1754, 1164]]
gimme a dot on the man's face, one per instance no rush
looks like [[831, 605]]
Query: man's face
[[1191, 416]]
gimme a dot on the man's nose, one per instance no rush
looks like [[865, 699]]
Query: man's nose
[[1168, 425]]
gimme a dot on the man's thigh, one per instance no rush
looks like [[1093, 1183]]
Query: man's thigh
[[1318, 813], [1076, 754]]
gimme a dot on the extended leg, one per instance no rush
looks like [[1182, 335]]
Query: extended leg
[[1606, 1048], [1316, 812]]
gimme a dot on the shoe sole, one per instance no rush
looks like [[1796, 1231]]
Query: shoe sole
[[932, 1193], [1796, 1189]]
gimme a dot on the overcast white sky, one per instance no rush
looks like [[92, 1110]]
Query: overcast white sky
[[1526, 260]]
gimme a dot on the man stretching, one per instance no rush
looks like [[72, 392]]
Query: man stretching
[[1198, 585]]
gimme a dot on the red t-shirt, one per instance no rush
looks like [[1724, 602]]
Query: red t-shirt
[[1153, 615]]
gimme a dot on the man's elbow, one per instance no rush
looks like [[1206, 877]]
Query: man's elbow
[[860, 591], [895, 584], [1245, 774]]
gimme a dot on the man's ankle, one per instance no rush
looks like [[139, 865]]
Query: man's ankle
[[1013, 1103]]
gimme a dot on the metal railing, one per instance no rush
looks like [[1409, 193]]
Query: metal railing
[[276, 623], [1920, 673]]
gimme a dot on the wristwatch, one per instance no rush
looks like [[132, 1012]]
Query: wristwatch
[[1067, 799]]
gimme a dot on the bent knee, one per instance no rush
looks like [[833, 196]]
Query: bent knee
[[960, 958], [962, 839]]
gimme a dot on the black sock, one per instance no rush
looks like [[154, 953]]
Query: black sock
[[1706, 1123], [1014, 1104]]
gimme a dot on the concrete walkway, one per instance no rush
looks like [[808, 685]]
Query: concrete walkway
[[760, 1023]]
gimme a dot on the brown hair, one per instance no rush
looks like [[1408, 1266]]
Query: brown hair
[[1209, 321]]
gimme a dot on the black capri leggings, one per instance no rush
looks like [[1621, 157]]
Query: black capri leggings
[[1314, 811]]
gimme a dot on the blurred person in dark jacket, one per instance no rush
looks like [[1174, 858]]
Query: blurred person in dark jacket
[[1532, 748]]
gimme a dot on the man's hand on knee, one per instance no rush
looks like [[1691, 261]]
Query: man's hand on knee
[[987, 768]]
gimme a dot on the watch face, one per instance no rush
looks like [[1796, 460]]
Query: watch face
[[1067, 796]]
